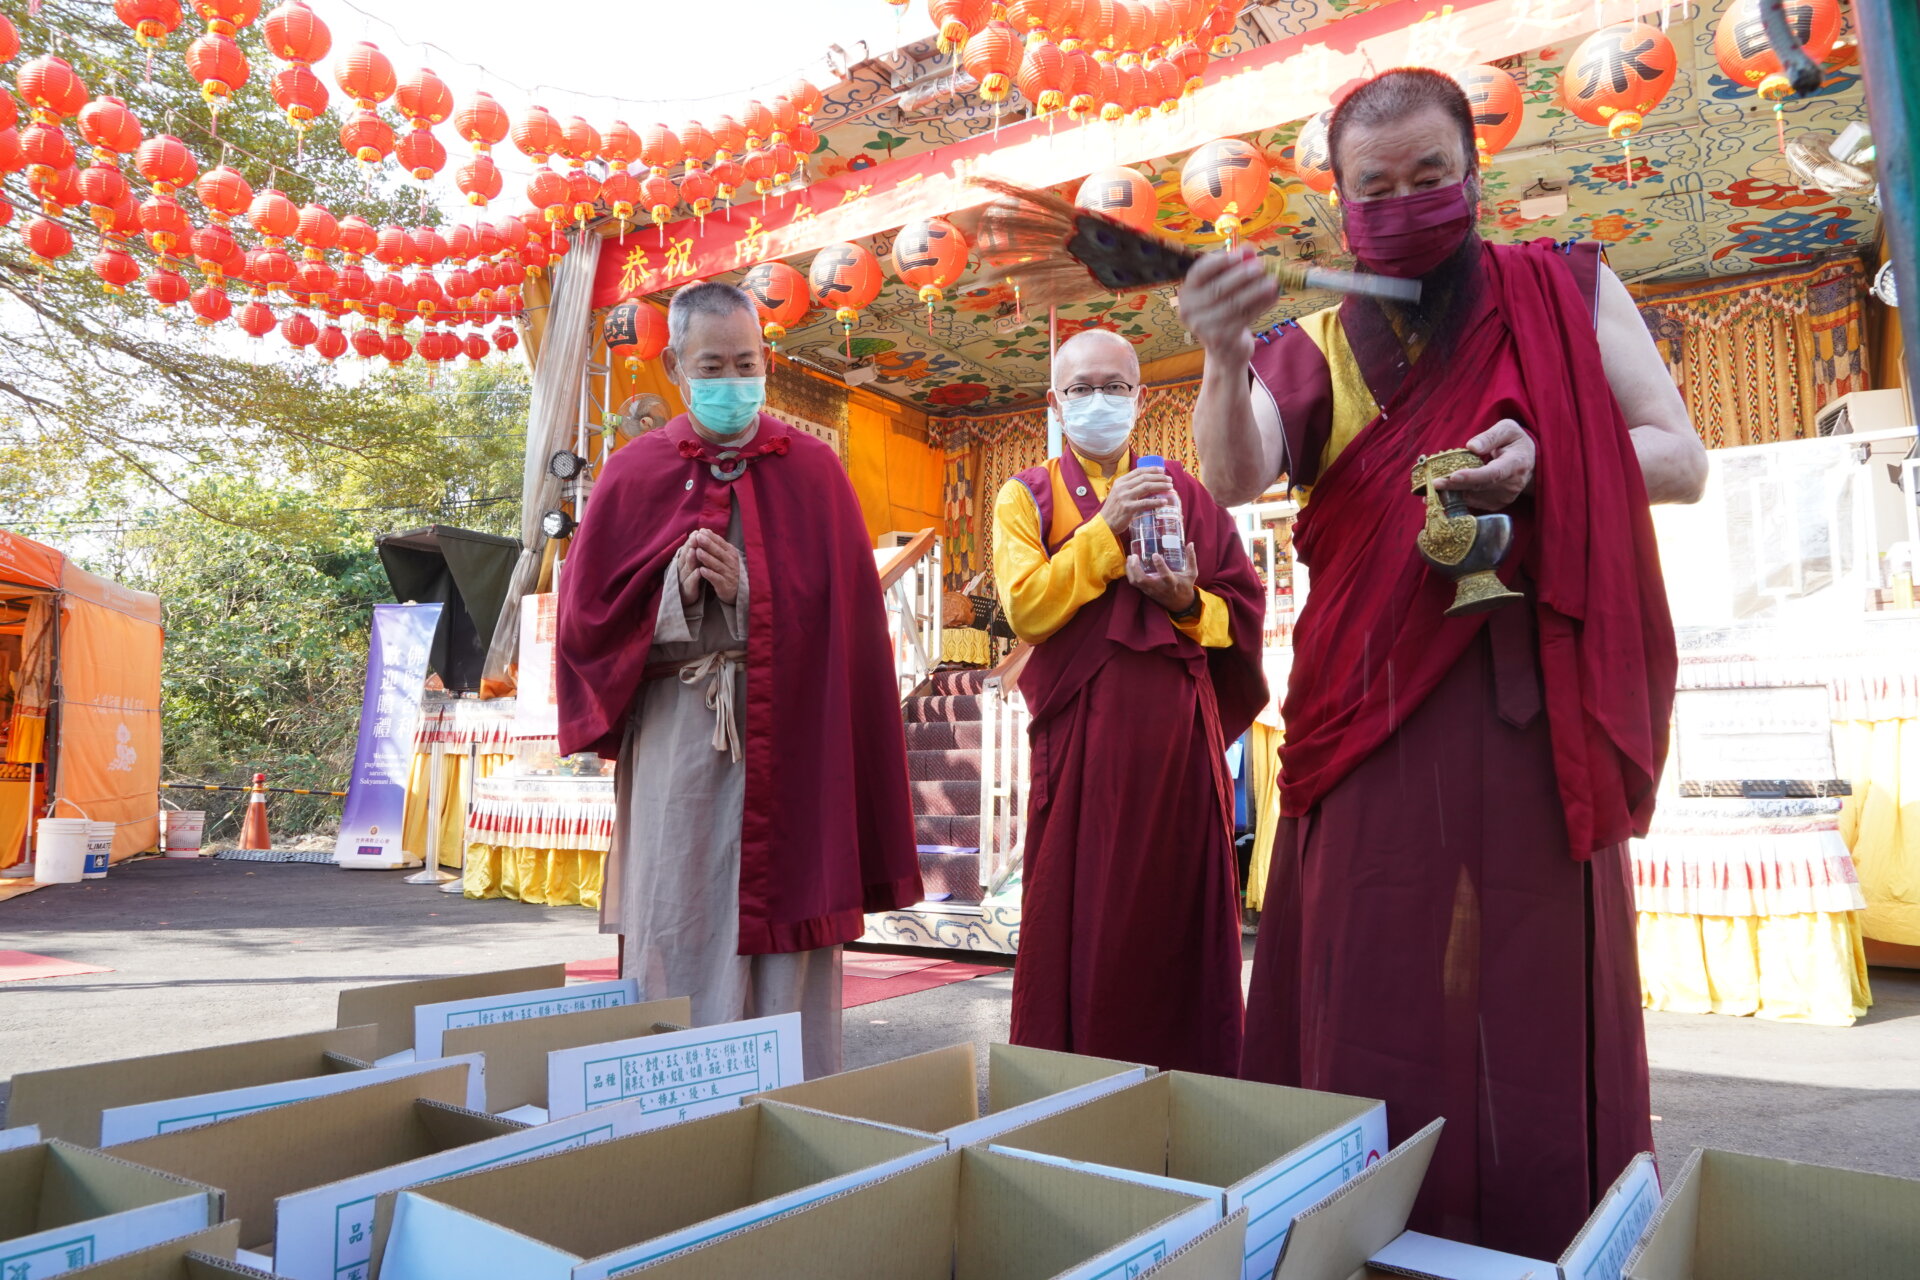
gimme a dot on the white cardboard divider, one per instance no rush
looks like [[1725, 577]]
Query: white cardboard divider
[[59, 1250], [430, 1239], [327, 1233], [430, 1020], [619, 1264], [1277, 1194], [678, 1075], [27, 1135], [992, 1126], [147, 1119]]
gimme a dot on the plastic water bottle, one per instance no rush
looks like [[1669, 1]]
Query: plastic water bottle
[[1162, 529]]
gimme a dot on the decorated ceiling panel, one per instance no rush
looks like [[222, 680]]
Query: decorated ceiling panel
[[1710, 194]]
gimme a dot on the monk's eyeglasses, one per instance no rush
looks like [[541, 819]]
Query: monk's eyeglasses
[[1081, 390]]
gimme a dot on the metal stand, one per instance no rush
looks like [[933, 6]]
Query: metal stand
[[436, 793]]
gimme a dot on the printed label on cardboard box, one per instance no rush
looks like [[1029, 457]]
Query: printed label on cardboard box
[[147, 1119], [27, 1135], [1123, 1262], [678, 1075], [430, 1020], [327, 1233], [62, 1249], [1275, 1195], [629, 1260], [1602, 1249]]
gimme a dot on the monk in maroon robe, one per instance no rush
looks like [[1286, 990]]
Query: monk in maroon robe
[[1142, 675], [721, 632], [1449, 922]]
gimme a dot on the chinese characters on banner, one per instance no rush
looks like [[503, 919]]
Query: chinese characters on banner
[[536, 710], [389, 715]]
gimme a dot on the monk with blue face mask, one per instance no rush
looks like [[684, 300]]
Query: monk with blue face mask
[[1141, 676]]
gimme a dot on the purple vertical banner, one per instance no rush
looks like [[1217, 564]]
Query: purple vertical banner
[[376, 806]]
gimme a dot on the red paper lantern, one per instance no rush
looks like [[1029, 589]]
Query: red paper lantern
[[213, 248], [166, 162], [635, 333], [845, 278], [52, 89], [583, 189], [728, 175], [992, 57], [365, 136], [658, 195], [957, 20], [357, 237], [318, 230], [273, 215], [58, 190], [367, 343], [103, 188], [424, 99], [580, 141], [9, 39], [1169, 83], [9, 109], [476, 347], [1191, 59], [151, 21], [512, 233], [331, 344], [271, 268], [300, 331], [547, 191], [1122, 194], [393, 247], [1615, 78], [1225, 182], [429, 246], [299, 94], [420, 154], [697, 191], [538, 134], [786, 118], [482, 121], [211, 304], [1312, 157], [505, 339], [168, 288], [296, 34], [780, 295], [45, 150], [1745, 57], [806, 98], [164, 222], [757, 121], [660, 148], [1082, 82], [217, 65], [314, 281], [621, 145], [365, 75], [621, 191], [12, 157], [1043, 78], [396, 349], [227, 15], [257, 319], [109, 127], [697, 143], [929, 255], [116, 268], [224, 192], [479, 179], [1497, 109]]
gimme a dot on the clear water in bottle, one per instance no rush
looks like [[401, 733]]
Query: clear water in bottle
[[1162, 529]]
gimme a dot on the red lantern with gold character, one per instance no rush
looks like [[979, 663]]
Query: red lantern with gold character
[[635, 332], [1122, 194], [845, 277], [1497, 110], [929, 255], [1745, 57], [1312, 157], [780, 294], [1225, 182], [1618, 76]]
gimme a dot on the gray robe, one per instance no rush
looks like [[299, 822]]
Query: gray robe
[[673, 875]]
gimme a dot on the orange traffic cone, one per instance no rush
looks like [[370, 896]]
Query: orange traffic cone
[[253, 832]]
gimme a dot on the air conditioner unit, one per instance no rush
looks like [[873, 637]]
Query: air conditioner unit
[[1860, 412]]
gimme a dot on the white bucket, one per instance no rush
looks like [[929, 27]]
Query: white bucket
[[182, 831], [62, 854], [99, 850]]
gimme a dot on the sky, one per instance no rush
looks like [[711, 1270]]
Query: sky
[[642, 61]]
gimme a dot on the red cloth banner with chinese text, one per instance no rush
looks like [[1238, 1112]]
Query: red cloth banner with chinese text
[[1266, 87]]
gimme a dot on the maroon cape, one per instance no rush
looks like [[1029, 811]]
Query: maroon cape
[[827, 832], [1130, 921], [1449, 921]]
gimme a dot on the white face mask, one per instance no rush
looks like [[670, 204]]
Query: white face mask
[[1098, 424]]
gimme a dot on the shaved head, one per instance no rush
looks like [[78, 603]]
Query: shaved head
[[1095, 356]]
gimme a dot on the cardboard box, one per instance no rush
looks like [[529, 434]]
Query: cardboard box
[[120, 1125], [516, 1052], [1269, 1150], [1214, 1255], [432, 1021], [63, 1207], [679, 1075], [258, 1158], [1359, 1230], [204, 1255], [604, 1210], [1730, 1215], [969, 1215], [939, 1092], [66, 1102], [389, 1007], [327, 1233]]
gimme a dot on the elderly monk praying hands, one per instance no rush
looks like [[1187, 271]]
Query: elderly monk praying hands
[[1141, 675], [1450, 920], [721, 632]]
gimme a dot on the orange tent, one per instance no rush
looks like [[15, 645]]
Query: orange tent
[[82, 681]]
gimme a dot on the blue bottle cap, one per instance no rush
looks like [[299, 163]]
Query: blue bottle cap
[[1152, 460]]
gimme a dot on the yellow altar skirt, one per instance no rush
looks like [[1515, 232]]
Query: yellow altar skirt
[[1792, 968], [545, 877]]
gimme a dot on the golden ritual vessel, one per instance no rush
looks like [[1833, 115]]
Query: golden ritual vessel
[[1465, 547]]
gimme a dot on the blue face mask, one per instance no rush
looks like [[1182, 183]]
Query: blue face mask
[[726, 406]]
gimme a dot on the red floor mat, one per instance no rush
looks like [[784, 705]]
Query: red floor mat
[[865, 977], [22, 966]]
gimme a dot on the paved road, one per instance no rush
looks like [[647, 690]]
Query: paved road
[[208, 952]]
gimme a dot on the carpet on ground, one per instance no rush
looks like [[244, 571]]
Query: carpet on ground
[[23, 966], [865, 977]]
